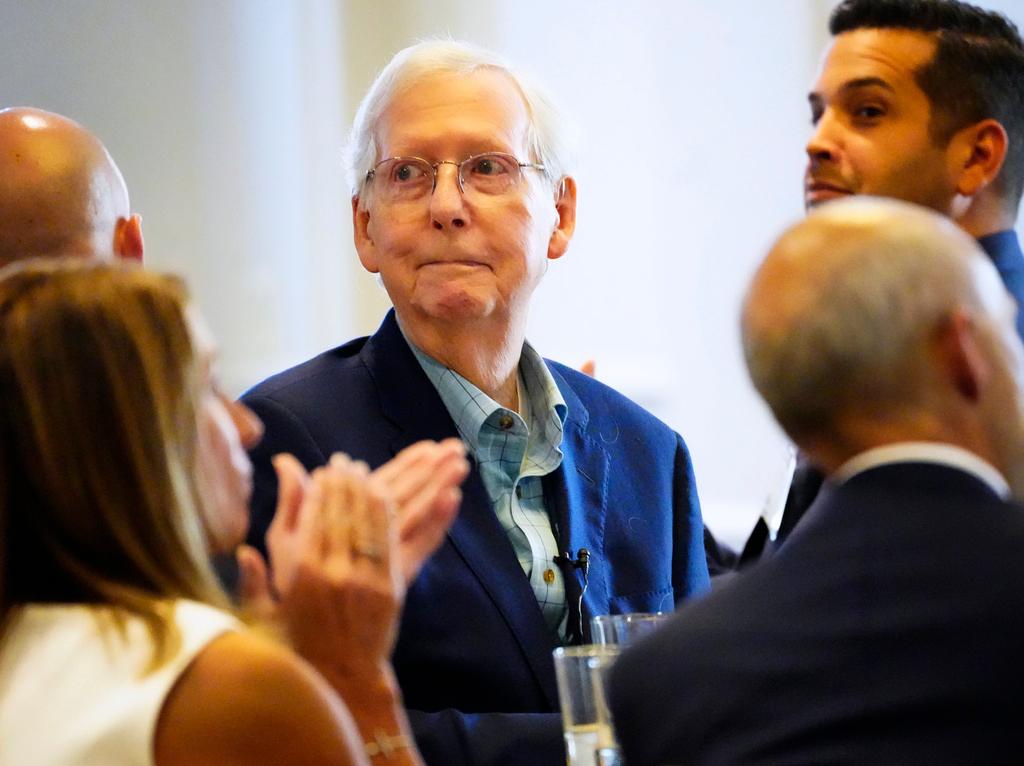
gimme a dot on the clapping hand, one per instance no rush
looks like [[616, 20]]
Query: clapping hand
[[336, 572], [422, 485], [423, 482]]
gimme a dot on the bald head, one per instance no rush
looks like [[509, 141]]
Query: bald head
[[844, 317], [60, 191]]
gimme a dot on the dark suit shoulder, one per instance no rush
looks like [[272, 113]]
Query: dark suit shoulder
[[341, 360], [901, 571], [327, 404], [606, 407]]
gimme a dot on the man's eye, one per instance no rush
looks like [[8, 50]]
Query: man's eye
[[488, 166], [869, 112], [406, 171]]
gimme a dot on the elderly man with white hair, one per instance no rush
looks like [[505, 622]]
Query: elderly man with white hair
[[580, 502], [888, 629]]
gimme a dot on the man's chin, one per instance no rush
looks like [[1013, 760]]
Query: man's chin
[[457, 306], [816, 199]]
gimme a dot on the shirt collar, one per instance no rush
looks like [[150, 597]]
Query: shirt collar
[[925, 452], [469, 407], [542, 393], [1001, 246]]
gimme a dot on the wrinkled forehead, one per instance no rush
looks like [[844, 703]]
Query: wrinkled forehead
[[446, 115]]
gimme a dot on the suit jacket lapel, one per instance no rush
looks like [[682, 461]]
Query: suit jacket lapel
[[412, 404], [407, 398], [481, 542], [577, 493]]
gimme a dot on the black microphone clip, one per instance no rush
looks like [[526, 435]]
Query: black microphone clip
[[582, 560]]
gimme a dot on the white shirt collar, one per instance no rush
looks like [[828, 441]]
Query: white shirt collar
[[925, 452]]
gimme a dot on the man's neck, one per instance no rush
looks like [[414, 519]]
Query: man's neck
[[852, 435], [986, 217], [484, 353], [857, 431]]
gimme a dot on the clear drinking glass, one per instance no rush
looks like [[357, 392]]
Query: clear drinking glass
[[624, 629], [589, 736]]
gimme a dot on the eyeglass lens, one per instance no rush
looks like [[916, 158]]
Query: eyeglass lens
[[409, 178]]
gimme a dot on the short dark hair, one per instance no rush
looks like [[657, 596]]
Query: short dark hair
[[977, 72]]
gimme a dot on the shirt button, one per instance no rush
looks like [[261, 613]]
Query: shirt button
[[549, 576], [505, 422]]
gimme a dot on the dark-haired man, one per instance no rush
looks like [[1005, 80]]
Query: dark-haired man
[[922, 101]]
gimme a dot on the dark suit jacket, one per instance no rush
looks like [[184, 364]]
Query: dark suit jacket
[[1004, 249], [888, 630], [473, 654]]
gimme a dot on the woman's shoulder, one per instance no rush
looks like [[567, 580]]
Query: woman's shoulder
[[246, 698], [200, 623], [58, 661]]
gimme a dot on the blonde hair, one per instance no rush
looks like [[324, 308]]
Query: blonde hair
[[98, 429]]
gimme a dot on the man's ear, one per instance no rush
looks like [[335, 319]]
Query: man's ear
[[365, 246], [565, 206], [128, 242], [962, 356], [981, 151]]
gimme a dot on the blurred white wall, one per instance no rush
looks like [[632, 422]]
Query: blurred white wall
[[227, 118]]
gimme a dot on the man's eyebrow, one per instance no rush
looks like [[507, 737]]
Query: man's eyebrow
[[860, 82], [850, 85], [867, 82]]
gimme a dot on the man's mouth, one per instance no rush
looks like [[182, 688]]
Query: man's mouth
[[816, 192], [455, 263]]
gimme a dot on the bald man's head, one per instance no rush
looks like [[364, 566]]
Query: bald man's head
[[876, 310], [60, 191]]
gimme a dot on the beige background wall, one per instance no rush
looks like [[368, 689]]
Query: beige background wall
[[227, 118]]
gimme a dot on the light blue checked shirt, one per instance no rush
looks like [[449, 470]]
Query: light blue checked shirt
[[513, 452]]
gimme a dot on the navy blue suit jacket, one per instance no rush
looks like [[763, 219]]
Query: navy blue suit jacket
[[473, 655], [888, 630], [1004, 249]]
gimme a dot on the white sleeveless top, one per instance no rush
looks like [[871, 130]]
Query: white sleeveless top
[[71, 693]]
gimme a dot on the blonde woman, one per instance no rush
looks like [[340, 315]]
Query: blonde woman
[[122, 467]]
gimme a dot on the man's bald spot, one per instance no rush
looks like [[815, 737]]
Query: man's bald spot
[[60, 191], [840, 312], [830, 247]]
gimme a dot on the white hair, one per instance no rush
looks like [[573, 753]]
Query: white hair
[[867, 282], [548, 139]]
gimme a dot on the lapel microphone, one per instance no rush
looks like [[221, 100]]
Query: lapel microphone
[[581, 562]]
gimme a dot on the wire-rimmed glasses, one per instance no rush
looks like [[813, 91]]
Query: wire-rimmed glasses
[[404, 179]]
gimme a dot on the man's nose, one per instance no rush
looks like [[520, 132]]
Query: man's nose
[[447, 208], [824, 142]]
